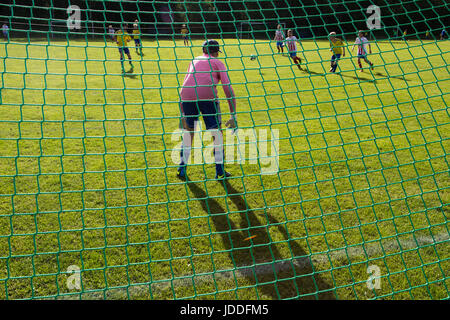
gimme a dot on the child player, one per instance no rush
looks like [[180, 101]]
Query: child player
[[137, 39], [111, 32], [338, 49], [362, 44], [121, 38], [184, 32], [291, 42], [279, 38]]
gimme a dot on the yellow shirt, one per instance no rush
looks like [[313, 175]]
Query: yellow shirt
[[122, 38], [337, 46], [136, 33], [184, 31]]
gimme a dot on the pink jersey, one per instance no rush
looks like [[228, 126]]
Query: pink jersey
[[362, 44], [291, 43], [203, 75]]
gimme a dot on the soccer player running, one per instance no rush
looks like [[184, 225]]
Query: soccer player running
[[199, 95], [137, 39], [121, 38], [362, 44], [291, 42], [338, 49], [279, 38]]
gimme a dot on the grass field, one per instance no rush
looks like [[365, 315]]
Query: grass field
[[87, 177]]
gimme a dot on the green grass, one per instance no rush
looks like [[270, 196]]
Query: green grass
[[87, 177]]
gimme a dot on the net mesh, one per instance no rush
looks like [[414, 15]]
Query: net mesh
[[340, 180]]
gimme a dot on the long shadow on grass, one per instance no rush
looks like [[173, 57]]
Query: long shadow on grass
[[314, 72], [361, 79], [389, 76], [130, 74], [258, 259]]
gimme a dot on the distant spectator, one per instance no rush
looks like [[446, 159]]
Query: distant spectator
[[111, 32], [5, 30]]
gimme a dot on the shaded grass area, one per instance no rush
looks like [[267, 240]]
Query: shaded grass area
[[88, 177]]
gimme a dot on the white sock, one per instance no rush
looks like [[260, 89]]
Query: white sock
[[186, 146]]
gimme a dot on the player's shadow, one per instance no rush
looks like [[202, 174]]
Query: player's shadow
[[389, 76], [258, 261], [130, 74], [314, 72], [358, 78]]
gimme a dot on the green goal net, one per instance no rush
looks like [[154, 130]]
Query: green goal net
[[339, 185]]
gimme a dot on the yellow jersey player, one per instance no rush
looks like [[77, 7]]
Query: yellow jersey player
[[121, 38], [185, 32], [338, 49], [137, 39]]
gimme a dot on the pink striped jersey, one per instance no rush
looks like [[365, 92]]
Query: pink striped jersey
[[291, 43], [279, 35], [362, 45], [204, 73]]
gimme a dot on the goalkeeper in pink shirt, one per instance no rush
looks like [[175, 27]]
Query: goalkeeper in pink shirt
[[199, 96]]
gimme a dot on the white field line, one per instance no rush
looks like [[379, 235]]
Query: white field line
[[367, 251]]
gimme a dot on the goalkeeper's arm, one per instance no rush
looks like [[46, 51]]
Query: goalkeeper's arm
[[229, 93]]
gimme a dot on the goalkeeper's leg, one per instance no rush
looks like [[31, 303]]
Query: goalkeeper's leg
[[186, 146], [218, 152]]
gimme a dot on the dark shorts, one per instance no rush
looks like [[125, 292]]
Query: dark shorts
[[137, 41], [125, 50], [362, 56], [336, 57], [293, 54], [280, 44], [210, 110]]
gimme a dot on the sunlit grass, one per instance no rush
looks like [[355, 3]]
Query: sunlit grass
[[87, 175]]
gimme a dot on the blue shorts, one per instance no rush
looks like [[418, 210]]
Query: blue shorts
[[137, 41], [335, 57], [210, 111], [125, 50], [362, 56], [293, 54], [280, 44]]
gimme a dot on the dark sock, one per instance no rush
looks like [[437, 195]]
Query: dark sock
[[220, 171]]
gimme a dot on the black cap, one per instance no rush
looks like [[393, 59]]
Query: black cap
[[211, 46]]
